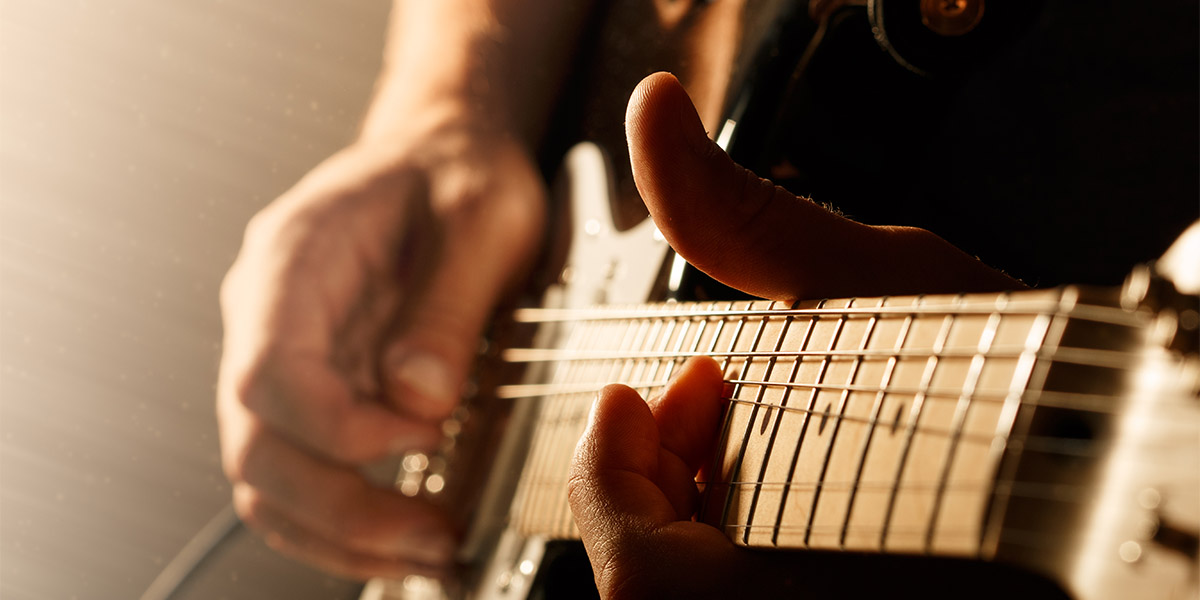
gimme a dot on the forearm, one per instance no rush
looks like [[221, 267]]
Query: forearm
[[496, 63]]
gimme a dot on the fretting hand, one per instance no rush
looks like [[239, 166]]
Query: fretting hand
[[632, 487]]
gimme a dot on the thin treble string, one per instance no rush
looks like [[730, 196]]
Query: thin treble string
[[1043, 444], [1086, 312], [1085, 402], [1008, 488], [1093, 357]]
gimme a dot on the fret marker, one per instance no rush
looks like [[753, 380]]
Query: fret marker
[[896, 419]]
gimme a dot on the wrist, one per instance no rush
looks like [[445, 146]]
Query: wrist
[[441, 68], [497, 64]]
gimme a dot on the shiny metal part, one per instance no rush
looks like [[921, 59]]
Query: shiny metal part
[[951, 17]]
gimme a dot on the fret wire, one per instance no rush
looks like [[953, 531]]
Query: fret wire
[[566, 452], [960, 418], [806, 418], [737, 463], [914, 415], [628, 332], [1017, 397], [1086, 312], [837, 425], [783, 401], [683, 333], [766, 416], [1039, 369], [556, 425], [666, 340], [631, 356], [649, 343], [728, 410], [696, 346], [1113, 359], [876, 409], [539, 448]]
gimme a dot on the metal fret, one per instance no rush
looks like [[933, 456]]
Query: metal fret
[[959, 420], [575, 429], [704, 501], [754, 344], [1038, 370], [758, 399], [549, 495], [649, 343], [812, 398], [914, 416], [686, 323], [653, 367], [873, 422], [833, 435], [768, 452], [532, 495], [1018, 393]]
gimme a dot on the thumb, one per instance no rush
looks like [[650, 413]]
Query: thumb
[[474, 255], [750, 234]]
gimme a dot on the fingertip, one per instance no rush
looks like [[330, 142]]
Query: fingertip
[[659, 118], [689, 411], [621, 432]]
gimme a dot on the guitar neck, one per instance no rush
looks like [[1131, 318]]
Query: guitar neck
[[886, 425]]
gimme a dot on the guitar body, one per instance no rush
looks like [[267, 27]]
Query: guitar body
[[1046, 440]]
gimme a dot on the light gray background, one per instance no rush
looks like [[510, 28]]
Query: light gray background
[[136, 138]]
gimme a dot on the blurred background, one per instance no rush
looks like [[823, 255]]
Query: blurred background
[[136, 139]]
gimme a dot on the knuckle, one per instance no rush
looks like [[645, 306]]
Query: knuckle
[[234, 461], [250, 384], [250, 507], [240, 458]]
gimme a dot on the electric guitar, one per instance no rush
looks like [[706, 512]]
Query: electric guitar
[[1054, 430]]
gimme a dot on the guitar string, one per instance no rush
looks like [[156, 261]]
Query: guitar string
[[1076, 400], [1066, 446], [1079, 401], [740, 456], [1091, 357], [1088, 312], [1018, 488], [766, 420], [974, 371], [876, 410], [843, 403], [909, 536]]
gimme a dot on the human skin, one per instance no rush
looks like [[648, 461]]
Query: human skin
[[355, 305], [632, 484], [356, 302]]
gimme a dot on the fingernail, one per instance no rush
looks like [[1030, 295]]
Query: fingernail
[[428, 376]]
